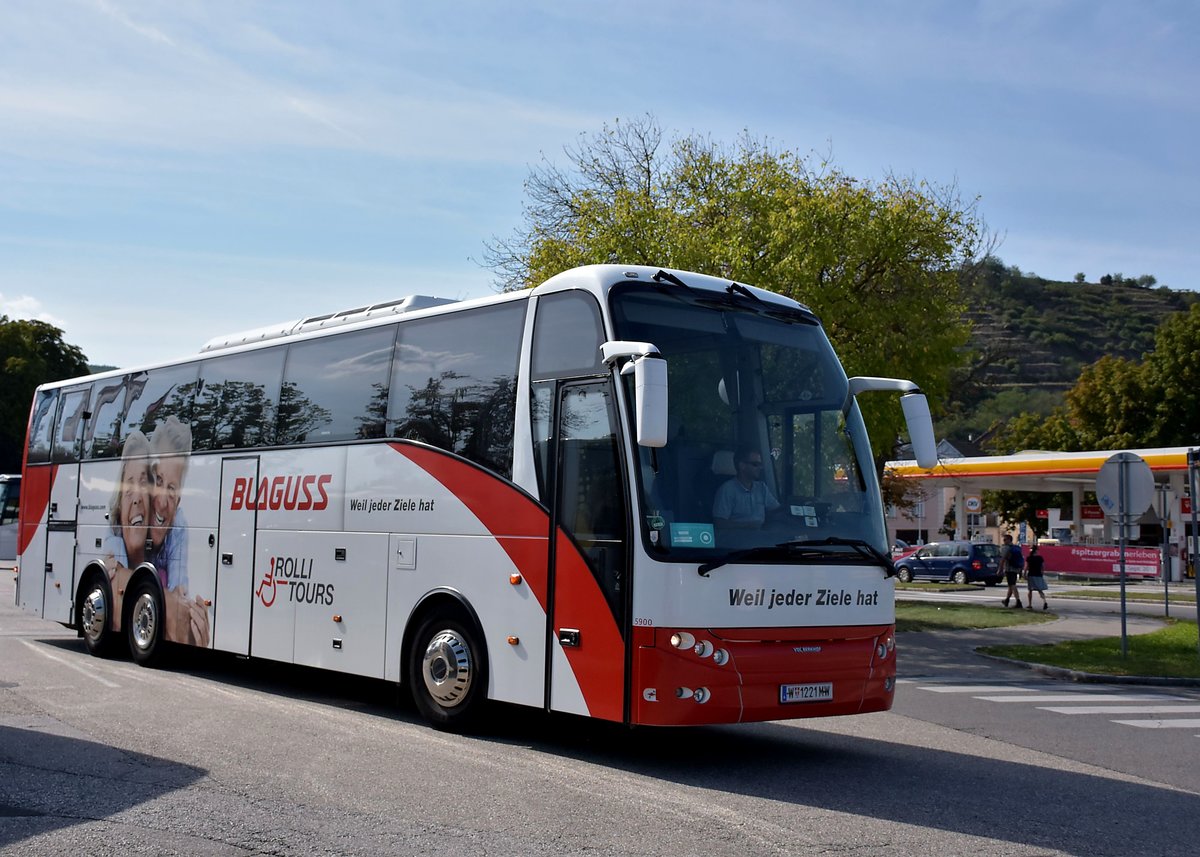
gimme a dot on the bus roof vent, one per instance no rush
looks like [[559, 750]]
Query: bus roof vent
[[321, 322]]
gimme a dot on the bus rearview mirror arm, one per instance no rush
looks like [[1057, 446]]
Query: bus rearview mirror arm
[[649, 371], [916, 413]]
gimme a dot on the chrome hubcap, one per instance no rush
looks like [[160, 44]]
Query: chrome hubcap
[[144, 621], [93, 615], [446, 668]]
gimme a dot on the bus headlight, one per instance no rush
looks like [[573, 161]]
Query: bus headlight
[[682, 640]]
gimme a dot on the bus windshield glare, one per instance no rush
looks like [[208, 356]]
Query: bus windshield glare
[[760, 452]]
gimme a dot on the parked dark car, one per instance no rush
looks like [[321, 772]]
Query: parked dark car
[[957, 562]]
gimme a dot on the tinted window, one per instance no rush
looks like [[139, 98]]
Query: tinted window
[[41, 425], [237, 399], [336, 387], [72, 423], [108, 410], [454, 383], [153, 396], [567, 336]]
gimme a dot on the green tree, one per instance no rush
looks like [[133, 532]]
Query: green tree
[[31, 353], [1119, 404], [879, 262]]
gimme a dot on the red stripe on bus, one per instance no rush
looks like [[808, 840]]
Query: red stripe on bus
[[520, 525], [36, 483], [599, 661]]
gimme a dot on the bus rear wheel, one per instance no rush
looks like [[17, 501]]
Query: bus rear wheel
[[447, 672], [145, 625], [94, 622]]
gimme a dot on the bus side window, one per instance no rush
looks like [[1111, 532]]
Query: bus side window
[[41, 426], [150, 397], [236, 401], [454, 383], [68, 433], [104, 429], [336, 387]]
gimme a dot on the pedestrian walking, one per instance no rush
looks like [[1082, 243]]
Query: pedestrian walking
[[1012, 561], [1035, 576]]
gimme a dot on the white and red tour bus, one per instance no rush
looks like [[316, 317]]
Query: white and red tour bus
[[509, 498]]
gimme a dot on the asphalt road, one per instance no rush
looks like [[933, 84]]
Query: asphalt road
[[220, 756]]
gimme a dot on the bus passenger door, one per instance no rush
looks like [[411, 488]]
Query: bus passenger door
[[59, 593], [235, 555], [589, 580]]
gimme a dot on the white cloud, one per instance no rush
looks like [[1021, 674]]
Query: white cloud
[[26, 307]]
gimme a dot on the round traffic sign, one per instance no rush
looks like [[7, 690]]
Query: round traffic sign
[[1139, 486]]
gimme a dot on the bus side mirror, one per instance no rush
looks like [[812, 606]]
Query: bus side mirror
[[916, 413], [920, 429], [649, 371]]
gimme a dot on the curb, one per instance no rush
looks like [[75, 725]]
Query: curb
[[1094, 678]]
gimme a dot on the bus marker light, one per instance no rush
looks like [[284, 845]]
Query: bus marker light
[[720, 657], [888, 684], [337, 617], [207, 603], [704, 648], [682, 640], [514, 578], [513, 640]]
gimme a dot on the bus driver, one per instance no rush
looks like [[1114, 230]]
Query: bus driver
[[744, 500]]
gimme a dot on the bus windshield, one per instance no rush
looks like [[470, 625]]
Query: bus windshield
[[762, 461]]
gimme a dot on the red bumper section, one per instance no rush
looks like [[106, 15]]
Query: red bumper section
[[689, 676]]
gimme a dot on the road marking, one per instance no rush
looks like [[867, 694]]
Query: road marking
[[1162, 724], [1085, 697], [1123, 709], [976, 688], [75, 667]]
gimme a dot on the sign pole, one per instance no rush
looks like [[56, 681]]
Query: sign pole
[[1125, 489], [1122, 514], [1166, 550], [1193, 458]]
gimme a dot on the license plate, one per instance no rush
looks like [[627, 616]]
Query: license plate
[[818, 692]]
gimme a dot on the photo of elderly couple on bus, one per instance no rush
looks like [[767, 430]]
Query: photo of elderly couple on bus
[[147, 525]]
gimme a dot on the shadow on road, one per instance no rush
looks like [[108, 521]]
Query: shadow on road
[[50, 782]]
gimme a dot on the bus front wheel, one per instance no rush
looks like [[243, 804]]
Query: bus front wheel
[[447, 671], [145, 625]]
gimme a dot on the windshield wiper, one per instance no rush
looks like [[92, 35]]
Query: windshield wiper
[[863, 548], [742, 290], [803, 547], [668, 277]]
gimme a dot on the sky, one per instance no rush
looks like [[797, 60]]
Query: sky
[[174, 170]]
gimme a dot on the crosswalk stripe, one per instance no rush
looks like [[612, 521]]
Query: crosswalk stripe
[[1122, 709], [1162, 724], [1084, 697], [975, 688]]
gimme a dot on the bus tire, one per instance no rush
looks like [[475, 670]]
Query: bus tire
[[447, 671], [145, 624], [95, 608]]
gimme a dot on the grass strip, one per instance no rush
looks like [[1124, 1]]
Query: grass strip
[[940, 587], [923, 616], [1135, 595], [1170, 651]]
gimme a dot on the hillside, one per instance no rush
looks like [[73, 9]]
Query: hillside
[[1031, 337]]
